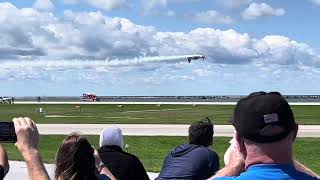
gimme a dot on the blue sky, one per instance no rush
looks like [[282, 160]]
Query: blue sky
[[121, 47]]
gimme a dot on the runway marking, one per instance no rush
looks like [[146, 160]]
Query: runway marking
[[66, 116], [104, 117], [155, 103], [157, 110]]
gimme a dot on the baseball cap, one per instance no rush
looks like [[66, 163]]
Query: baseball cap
[[111, 136], [263, 117]]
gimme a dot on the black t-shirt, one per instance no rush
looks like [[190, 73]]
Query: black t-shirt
[[1, 172], [123, 166]]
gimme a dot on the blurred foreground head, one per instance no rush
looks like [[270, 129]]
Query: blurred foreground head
[[263, 117], [201, 132], [75, 160], [111, 136]]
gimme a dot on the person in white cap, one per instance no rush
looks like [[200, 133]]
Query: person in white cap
[[111, 136], [121, 164]]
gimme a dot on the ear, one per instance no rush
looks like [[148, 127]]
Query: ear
[[240, 144]]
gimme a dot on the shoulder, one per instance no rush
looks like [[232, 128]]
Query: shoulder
[[205, 151], [224, 178], [213, 153], [132, 157]]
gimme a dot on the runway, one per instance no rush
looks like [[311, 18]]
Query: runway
[[182, 103], [153, 129]]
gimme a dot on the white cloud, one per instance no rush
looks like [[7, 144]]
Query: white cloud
[[109, 5], [316, 2], [54, 42], [201, 72], [282, 50], [256, 10], [31, 34], [45, 5], [211, 17], [70, 1]]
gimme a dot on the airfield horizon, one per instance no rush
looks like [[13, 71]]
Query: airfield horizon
[[152, 113]]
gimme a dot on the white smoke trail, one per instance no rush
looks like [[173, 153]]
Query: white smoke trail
[[66, 64]]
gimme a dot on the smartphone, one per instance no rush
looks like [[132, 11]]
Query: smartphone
[[7, 133]]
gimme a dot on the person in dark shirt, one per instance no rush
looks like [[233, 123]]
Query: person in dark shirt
[[123, 165], [193, 160]]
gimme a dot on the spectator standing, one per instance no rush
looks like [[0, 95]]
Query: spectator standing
[[193, 160], [123, 165]]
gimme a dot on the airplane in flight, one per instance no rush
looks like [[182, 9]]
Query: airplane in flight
[[196, 57]]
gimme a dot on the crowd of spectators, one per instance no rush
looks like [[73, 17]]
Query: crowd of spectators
[[261, 149]]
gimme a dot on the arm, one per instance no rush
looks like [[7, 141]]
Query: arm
[[230, 170], [300, 167], [236, 159], [4, 160], [102, 169], [234, 168], [28, 145]]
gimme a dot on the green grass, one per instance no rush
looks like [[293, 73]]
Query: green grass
[[152, 150], [141, 114]]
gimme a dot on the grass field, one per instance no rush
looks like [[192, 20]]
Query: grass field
[[152, 150], [141, 114]]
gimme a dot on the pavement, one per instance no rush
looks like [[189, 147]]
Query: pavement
[[154, 129], [18, 170]]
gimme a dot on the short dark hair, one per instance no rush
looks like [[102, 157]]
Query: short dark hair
[[201, 132]]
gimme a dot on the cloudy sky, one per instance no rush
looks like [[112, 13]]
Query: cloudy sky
[[138, 47]]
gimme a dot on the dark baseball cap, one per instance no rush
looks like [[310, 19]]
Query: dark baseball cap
[[263, 117]]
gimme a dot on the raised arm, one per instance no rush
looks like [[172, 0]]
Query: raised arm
[[28, 145]]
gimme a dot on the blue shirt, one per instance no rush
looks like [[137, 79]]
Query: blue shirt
[[271, 172]]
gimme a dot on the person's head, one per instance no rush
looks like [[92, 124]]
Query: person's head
[[201, 132], [75, 159], [264, 121], [111, 136]]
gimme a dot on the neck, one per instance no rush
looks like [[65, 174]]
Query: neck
[[269, 154]]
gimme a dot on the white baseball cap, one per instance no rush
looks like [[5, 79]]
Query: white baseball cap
[[111, 136]]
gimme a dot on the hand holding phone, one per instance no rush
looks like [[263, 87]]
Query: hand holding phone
[[27, 134], [7, 132]]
